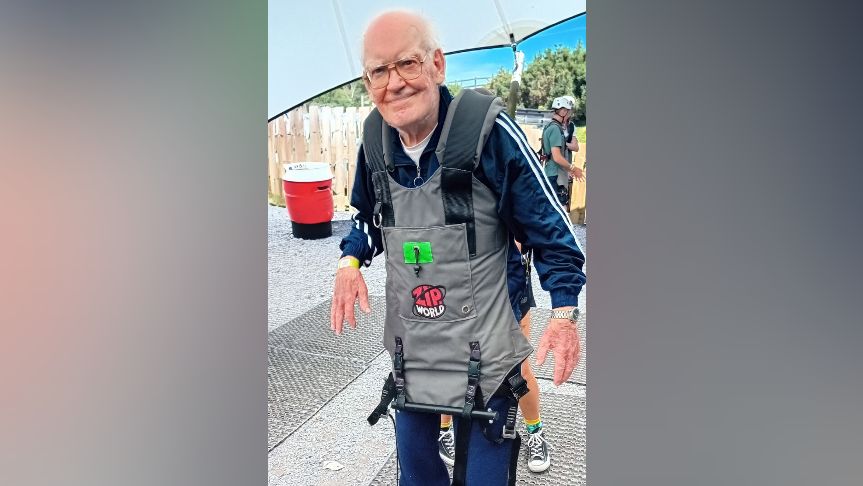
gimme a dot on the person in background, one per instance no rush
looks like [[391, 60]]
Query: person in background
[[554, 146], [564, 179]]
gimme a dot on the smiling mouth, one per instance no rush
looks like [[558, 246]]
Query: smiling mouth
[[402, 98]]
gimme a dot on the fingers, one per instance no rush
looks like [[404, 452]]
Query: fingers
[[564, 364], [559, 371], [364, 297], [349, 283], [566, 368], [577, 351], [542, 349], [336, 316], [349, 314]]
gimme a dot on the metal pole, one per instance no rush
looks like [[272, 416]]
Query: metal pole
[[518, 64], [438, 409]]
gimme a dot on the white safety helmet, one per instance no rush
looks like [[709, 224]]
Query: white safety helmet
[[561, 102]]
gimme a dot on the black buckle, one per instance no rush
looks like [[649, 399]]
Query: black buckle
[[399, 374], [386, 397], [518, 386], [509, 427], [473, 373]]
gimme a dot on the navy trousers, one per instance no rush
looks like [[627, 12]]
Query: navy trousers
[[420, 464]]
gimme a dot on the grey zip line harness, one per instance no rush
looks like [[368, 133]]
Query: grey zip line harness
[[449, 328]]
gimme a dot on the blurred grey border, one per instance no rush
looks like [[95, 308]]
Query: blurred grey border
[[725, 228], [725, 235]]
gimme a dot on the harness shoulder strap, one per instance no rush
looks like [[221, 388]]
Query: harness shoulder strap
[[469, 120], [553, 122], [378, 155]]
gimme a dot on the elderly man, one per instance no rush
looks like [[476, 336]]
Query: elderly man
[[443, 187]]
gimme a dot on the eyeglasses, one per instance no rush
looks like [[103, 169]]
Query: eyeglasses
[[408, 68]]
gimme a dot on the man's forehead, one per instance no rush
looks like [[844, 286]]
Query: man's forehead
[[381, 57], [389, 41]]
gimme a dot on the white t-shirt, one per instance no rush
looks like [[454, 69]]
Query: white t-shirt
[[417, 150]]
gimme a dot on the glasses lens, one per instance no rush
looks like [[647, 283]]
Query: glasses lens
[[379, 76], [409, 68]]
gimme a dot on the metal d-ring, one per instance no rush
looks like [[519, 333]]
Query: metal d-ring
[[420, 179]]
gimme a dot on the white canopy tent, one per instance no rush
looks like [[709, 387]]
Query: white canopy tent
[[315, 46]]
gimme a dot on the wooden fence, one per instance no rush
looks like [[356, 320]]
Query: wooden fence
[[333, 135]]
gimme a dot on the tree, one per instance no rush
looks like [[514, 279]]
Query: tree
[[454, 88], [554, 73], [500, 82], [351, 94]]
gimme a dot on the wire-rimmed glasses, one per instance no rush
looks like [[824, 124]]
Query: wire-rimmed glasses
[[408, 68]]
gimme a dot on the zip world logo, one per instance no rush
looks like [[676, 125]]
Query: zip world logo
[[428, 301]]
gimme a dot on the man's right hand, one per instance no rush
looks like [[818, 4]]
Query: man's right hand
[[348, 286], [577, 173]]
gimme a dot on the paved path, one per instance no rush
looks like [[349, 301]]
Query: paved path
[[322, 387]]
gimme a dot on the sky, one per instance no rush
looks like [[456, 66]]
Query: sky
[[486, 63]]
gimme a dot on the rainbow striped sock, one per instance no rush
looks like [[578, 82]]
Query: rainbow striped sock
[[533, 425]]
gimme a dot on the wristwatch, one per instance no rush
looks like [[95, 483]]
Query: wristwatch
[[571, 314]]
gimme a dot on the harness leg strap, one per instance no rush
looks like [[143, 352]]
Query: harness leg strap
[[387, 394], [459, 471]]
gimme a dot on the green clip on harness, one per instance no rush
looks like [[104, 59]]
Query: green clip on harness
[[417, 252]]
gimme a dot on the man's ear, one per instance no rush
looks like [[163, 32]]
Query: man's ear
[[439, 66]]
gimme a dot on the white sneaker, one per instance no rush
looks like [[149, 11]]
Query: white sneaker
[[446, 446], [538, 458]]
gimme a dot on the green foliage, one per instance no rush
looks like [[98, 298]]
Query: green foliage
[[554, 73], [351, 94], [454, 88], [500, 82], [581, 134]]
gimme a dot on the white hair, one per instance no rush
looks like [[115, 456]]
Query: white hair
[[429, 39]]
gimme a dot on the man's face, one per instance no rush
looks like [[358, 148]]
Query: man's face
[[563, 112], [405, 105]]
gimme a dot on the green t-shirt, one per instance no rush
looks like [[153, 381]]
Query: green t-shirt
[[552, 136]]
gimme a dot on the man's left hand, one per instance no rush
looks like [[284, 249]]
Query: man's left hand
[[561, 337]]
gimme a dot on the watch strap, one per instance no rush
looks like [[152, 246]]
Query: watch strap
[[571, 314]]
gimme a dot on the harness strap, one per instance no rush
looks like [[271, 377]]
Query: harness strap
[[377, 148], [518, 388], [513, 459], [462, 441], [459, 151], [399, 374], [515, 387], [387, 394]]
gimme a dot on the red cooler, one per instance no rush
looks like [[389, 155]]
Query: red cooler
[[309, 198]]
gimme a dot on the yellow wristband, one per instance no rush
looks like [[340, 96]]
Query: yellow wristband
[[349, 261]]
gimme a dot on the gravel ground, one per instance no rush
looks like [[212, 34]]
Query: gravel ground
[[301, 272]]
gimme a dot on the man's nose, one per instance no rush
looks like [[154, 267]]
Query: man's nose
[[395, 81]]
